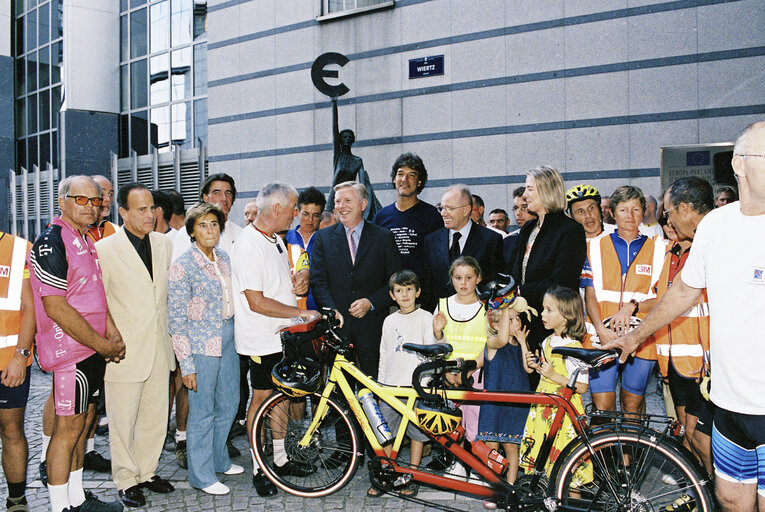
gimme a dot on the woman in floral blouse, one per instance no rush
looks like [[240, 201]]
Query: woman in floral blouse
[[201, 310]]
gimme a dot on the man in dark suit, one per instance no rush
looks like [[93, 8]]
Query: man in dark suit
[[352, 262], [459, 237]]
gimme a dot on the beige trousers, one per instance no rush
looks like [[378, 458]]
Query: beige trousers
[[137, 413]]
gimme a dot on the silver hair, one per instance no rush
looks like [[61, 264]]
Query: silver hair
[[274, 193], [463, 190], [743, 139], [360, 189], [65, 185]]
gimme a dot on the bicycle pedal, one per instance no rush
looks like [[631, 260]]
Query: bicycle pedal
[[402, 481]]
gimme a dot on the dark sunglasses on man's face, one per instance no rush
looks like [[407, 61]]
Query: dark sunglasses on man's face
[[83, 200]]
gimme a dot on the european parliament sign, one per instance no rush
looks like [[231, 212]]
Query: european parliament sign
[[426, 66]]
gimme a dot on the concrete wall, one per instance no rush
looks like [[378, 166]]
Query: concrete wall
[[91, 55], [593, 88]]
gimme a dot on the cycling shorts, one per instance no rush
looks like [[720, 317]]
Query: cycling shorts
[[738, 446], [635, 373], [14, 398], [79, 385]]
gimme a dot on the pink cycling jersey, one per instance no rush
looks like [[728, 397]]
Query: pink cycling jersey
[[65, 263]]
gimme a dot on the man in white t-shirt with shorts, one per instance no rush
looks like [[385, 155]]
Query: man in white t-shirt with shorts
[[728, 258], [264, 295]]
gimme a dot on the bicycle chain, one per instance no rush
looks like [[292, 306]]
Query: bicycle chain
[[382, 477]]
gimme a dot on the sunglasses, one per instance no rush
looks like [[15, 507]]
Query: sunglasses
[[83, 200]]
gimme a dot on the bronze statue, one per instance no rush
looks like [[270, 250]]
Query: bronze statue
[[349, 167]]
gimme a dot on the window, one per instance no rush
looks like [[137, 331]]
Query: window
[[163, 74], [338, 8], [37, 92]]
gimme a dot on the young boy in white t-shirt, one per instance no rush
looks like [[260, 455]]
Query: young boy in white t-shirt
[[409, 324]]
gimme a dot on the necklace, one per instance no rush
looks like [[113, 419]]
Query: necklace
[[271, 238]]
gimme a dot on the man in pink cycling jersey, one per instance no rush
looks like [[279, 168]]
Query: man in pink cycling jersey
[[75, 336]]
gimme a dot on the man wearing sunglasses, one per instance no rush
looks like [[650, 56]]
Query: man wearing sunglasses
[[75, 335]]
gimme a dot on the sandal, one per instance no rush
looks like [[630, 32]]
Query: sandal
[[374, 492], [411, 490]]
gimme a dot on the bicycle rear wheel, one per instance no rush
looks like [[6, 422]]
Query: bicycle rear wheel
[[629, 470], [324, 466]]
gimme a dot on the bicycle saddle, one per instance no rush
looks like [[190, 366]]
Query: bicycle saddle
[[591, 357], [439, 349]]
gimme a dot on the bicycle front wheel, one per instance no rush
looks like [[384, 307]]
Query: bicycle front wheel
[[324, 466], [630, 470]]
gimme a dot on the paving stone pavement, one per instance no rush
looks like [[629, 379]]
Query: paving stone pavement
[[243, 496]]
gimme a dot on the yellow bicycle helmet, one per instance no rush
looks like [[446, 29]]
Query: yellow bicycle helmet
[[580, 193], [296, 379], [437, 417]]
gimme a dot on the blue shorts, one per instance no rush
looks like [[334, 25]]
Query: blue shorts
[[635, 373], [738, 447], [14, 398]]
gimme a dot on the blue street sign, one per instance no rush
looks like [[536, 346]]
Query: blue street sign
[[426, 66]]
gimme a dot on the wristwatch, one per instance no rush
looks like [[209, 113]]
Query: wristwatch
[[24, 352]]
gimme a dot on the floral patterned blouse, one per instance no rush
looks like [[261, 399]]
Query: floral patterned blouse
[[196, 303]]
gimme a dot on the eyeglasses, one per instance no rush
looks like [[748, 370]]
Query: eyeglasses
[[83, 200], [665, 213], [449, 209], [522, 208]]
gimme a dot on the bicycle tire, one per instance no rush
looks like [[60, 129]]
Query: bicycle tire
[[334, 452], [657, 476]]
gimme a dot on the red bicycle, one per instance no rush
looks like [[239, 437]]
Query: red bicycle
[[627, 464]]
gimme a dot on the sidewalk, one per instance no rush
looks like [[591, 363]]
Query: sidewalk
[[242, 496]]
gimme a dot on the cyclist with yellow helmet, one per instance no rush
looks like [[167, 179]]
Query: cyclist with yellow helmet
[[584, 207]]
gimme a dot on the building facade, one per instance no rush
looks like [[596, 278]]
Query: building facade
[[593, 88]]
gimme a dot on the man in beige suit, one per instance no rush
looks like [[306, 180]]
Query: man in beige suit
[[134, 262]]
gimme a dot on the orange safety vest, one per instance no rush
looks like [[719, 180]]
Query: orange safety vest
[[614, 290], [96, 233], [13, 271], [686, 339]]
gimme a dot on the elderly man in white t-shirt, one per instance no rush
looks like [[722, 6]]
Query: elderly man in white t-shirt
[[728, 258], [264, 295]]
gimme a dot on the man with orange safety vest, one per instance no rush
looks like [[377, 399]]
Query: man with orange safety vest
[[17, 331], [682, 347], [619, 276]]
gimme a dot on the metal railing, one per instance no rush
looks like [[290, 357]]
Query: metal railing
[[33, 195]]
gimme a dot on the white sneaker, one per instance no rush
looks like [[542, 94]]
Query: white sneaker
[[668, 479], [235, 469], [217, 489], [456, 470]]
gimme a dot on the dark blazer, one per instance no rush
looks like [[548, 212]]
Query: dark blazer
[[556, 258], [336, 282], [482, 243]]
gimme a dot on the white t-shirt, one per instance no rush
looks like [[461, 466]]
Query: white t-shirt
[[397, 364], [728, 258], [182, 241], [460, 312], [259, 264], [652, 230]]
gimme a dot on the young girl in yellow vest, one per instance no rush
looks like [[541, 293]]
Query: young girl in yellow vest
[[562, 312], [460, 320]]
